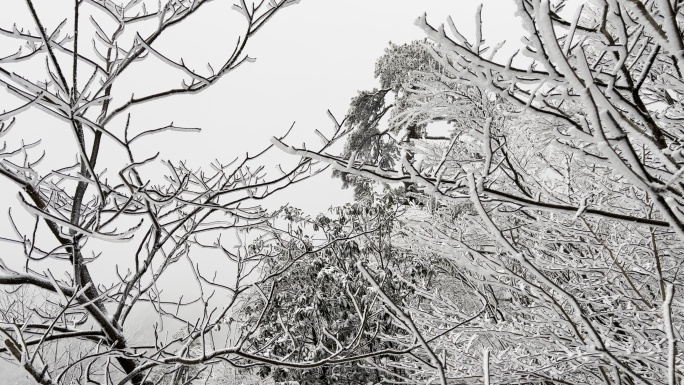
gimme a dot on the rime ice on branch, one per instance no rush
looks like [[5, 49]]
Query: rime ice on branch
[[556, 231]]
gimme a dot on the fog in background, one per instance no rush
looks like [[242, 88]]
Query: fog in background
[[310, 58]]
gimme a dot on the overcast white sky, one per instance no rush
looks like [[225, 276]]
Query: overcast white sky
[[311, 57]]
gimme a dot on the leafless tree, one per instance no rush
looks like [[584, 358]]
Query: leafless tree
[[75, 214]]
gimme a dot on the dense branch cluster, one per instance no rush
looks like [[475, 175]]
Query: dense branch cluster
[[538, 241], [554, 218]]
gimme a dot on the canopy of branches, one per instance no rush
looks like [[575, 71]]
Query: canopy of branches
[[538, 241]]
